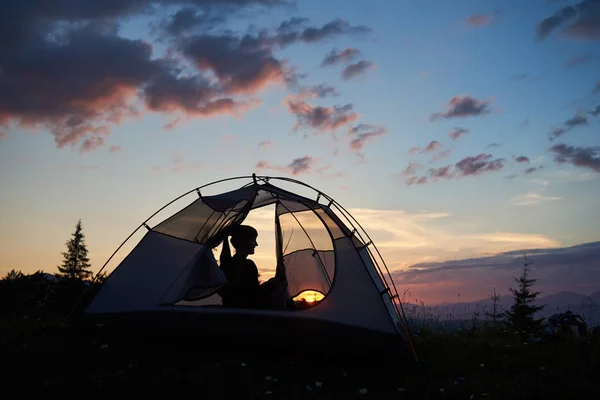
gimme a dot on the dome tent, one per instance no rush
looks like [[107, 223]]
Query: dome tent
[[171, 278]]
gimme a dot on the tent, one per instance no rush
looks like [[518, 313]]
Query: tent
[[171, 279]]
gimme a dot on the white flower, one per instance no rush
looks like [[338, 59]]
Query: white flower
[[363, 391], [268, 393], [104, 347], [442, 390], [482, 365], [401, 389]]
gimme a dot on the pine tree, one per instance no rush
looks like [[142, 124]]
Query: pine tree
[[520, 317], [76, 264], [495, 315]]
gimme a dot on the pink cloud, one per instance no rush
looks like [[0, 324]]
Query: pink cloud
[[320, 118], [298, 166], [463, 106]]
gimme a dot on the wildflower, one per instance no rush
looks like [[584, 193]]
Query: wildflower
[[268, 378], [442, 390], [482, 365], [401, 389], [318, 384], [345, 373], [268, 393], [243, 364], [363, 391], [104, 347]]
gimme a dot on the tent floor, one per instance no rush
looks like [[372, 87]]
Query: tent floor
[[241, 334]]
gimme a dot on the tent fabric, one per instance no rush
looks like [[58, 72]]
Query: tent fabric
[[173, 267]]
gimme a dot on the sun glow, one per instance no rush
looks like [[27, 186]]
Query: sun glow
[[310, 296]]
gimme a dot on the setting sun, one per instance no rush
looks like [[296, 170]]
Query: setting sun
[[310, 296]]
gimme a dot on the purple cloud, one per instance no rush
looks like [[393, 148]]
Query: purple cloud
[[357, 69], [363, 134], [578, 60], [525, 77], [432, 146], [478, 20], [457, 132], [478, 165], [468, 166], [578, 21], [320, 118], [298, 166], [522, 159], [411, 169], [339, 57], [586, 157], [463, 106]]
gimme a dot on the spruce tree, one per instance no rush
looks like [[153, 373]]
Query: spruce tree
[[520, 317], [76, 264]]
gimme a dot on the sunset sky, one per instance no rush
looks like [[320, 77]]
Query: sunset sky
[[450, 129]]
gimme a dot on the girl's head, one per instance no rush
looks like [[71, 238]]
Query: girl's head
[[243, 239]]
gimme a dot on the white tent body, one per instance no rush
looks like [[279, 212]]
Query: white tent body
[[172, 269]]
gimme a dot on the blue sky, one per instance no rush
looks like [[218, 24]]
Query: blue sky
[[525, 83]]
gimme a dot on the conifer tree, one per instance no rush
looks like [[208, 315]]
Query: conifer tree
[[75, 263], [521, 316]]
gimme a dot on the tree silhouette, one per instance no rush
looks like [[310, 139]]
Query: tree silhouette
[[75, 264], [520, 317]]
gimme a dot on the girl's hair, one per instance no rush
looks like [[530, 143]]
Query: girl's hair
[[236, 233]]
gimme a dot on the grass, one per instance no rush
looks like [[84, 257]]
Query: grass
[[478, 364]]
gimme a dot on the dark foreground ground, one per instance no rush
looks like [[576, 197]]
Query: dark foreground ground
[[51, 358]]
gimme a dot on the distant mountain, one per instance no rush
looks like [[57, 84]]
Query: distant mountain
[[586, 306]]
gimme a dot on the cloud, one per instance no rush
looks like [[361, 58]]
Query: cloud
[[192, 95], [492, 145], [357, 69], [478, 165], [556, 268], [525, 77], [468, 166], [531, 170], [298, 166], [463, 106], [115, 149], [586, 157], [321, 118], [363, 134], [55, 75], [2, 135], [432, 146], [441, 172], [595, 112], [320, 91], [597, 88], [573, 122], [578, 21], [478, 20], [522, 159], [417, 180], [440, 156], [242, 65], [457, 132], [266, 144], [531, 199], [411, 169], [578, 60], [577, 120], [339, 57]]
